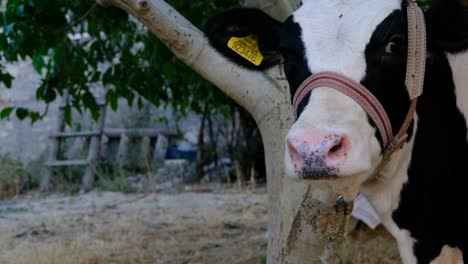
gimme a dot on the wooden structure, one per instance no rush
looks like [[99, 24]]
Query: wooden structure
[[153, 146], [153, 143], [56, 142]]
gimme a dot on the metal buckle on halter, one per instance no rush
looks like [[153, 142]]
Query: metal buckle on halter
[[396, 144], [342, 204]]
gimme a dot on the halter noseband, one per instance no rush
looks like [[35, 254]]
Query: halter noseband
[[415, 71]]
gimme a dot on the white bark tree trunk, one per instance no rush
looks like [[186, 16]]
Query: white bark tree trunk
[[266, 97]]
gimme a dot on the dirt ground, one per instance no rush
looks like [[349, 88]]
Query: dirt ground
[[188, 227]]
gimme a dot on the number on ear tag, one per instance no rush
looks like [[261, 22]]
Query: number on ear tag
[[247, 48]]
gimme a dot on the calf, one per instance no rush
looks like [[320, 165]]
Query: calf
[[420, 192]]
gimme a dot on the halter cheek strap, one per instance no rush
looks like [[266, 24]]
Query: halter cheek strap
[[417, 51], [416, 66]]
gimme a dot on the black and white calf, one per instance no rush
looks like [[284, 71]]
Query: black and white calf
[[421, 197]]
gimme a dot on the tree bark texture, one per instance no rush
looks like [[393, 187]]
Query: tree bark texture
[[264, 95]]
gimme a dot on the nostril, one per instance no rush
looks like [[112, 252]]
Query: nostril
[[294, 154], [337, 147], [338, 151]]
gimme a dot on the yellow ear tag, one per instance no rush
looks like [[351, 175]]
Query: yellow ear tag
[[464, 3], [247, 47]]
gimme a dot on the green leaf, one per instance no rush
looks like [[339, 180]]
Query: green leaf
[[107, 78], [89, 100], [46, 92], [22, 113], [67, 115], [95, 77], [95, 113], [112, 99], [20, 11], [140, 103], [6, 112], [34, 116], [7, 79], [38, 62]]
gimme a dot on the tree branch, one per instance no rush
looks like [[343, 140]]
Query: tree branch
[[256, 92]]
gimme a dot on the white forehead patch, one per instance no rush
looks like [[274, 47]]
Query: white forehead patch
[[336, 32]]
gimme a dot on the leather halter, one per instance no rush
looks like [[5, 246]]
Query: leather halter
[[416, 67]]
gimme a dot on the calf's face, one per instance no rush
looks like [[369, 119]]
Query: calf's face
[[365, 40]]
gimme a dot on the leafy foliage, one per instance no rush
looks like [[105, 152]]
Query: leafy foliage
[[74, 44]]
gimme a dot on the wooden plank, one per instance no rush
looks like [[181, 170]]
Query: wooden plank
[[54, 146], [136, 132], [99, 103], [159, 152], [75, 134], [145, 148], [65, 163], [122, 150], [87, 180]]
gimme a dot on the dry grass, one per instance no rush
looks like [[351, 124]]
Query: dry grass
[[179, 228], [365, 246], [115, 228]]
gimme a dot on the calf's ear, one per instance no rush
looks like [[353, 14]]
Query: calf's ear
[[447, 22], [248, 37]]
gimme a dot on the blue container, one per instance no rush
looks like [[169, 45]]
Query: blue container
[[173, 152]]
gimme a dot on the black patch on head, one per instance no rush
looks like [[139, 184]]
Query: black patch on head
[[295, 63], [242, 22], [386, 72], [447, 23], [278, 43]]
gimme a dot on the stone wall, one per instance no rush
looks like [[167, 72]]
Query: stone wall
[[19, 138], [28, 142]]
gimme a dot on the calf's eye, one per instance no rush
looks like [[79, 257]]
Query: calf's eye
[[394, 45], [390, 48]]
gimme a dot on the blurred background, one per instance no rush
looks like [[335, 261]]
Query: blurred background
[[64, 70]]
